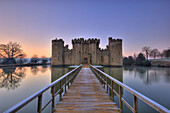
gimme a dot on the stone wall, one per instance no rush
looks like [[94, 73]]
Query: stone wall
[[87, 50]]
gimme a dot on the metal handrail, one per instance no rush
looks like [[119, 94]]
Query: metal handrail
[[104, 78], [68, 77]]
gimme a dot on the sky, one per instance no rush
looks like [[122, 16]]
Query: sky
[[34, 23]]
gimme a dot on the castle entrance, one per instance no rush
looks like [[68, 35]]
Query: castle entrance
[[85, 60]]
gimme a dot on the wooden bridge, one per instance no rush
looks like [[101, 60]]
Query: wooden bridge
[[83, 93]]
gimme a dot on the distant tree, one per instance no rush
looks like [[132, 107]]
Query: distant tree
[[131, 60], [128, 61], [11, 50], [34, 59], [154, 53], [44, 60], [140, 59], [147, 50], [166, 53], [125, 61]]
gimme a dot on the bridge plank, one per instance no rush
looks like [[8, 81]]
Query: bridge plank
[[86, 95]]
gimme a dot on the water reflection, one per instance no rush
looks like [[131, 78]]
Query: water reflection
[[10, 77], [35, 70], [149, 74], [116, 73], [57, 72]]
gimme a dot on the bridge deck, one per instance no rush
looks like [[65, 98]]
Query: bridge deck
[[86, 95]]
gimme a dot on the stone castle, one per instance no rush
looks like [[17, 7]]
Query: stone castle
[[87, 52]]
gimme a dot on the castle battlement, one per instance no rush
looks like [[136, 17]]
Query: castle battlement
[[82, 40], [58, 40], [114, 40]]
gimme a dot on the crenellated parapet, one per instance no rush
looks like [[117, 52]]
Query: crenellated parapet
[[58, 40], [78, 41], [94, 40], [114, 40], [82, 41]]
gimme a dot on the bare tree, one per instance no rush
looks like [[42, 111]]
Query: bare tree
[[147, 50], [11, 50], [155, 53]]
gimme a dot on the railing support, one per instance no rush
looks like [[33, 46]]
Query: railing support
[[135, 104], [120, 97], [39, 104], [112, 95], [107, 84], [60, 90], [65, 85], [53, 96]]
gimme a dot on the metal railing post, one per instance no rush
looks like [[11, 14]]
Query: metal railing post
[[135, 104], [39, 104]]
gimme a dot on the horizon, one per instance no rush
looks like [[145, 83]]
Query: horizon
[[34, 24]]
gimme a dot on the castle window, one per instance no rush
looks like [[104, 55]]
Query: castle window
[[112, 59]]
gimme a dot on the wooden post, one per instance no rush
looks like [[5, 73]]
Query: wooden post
[[60, 89], [112, 91], [107, 84], [53, 97], [65, 85], [120, 97], [135, 104], [68, 81], [104, 81], [39, 104]]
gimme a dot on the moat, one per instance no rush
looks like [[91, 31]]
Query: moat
[[18, 83]]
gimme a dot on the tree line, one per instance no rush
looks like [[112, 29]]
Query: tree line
[[142, 58], [11, 51]]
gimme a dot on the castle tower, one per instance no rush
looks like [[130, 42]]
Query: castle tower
[[77, 51], [115, 50], [57, 52], [93, 51]]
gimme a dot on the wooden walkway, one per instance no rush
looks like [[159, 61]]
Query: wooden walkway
[[86, 95]]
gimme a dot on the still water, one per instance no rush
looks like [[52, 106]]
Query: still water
[[153, 82], [18, 83]]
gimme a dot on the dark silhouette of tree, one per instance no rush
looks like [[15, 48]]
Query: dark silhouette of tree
[[128, 61], [140, 59], [10, 77], [166, 53], [11, 50], [34, 59], [147, 50], [125, 61], [154, 53], [131, 60]]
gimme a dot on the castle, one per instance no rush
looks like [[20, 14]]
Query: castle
[[87, 52]]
